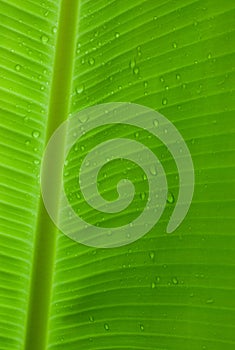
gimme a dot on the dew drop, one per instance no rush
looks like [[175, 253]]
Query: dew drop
[[142, 195], [36, 161], [18, 67], [27, 142], [210, 301], [44, 39], [132, 63], [174, 45], [175, 280], [164, 101], [177, 76], [91, 318], [136, 70], [35, 134], [145, 84], [151, 255], [91, 61], [156, 123], [106, 326], [141, 327], [153, 285], [209, 56], [79, 89], [153, 169], [137, 135], [117, 34], [170, 198], [54, 30]]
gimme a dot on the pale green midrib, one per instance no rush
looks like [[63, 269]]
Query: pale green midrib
[[36, 335]]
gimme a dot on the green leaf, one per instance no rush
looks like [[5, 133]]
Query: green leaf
[[164, 291]]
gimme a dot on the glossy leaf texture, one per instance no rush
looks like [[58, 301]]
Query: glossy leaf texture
[[164, 291]]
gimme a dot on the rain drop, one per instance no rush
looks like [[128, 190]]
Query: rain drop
[[132, 64], [170, 198], [174, 280], [164, 101], [79, 89], [106, 326], [136, 70], [35, 134], [156, 123], [18, 67], [91, 61], [177, 76], [153, 169], [44, 39]]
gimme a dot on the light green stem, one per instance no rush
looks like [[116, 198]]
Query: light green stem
[[45, 241]]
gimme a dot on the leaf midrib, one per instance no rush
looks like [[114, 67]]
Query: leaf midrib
[[36, 333]]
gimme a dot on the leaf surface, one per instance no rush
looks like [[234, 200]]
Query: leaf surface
[[165, 291]]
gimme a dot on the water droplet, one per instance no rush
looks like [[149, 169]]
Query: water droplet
[[174, 45], [170, 198], [18, 67], [164, 101], [156, 123], [142, 195], [136, 70], [153, 285], [153, 169], [91, 318], [209, 56], [117, 34], [35, 134], [36, 161], [151, 255], [106, 326], [210, 301], [27, 142], [132, 63], [162, 79], [175, 280], [44, 39], [177, 76], [54, 30], [141, 327], [145, 84], [91, 61], [79, 89], [167, 87], [137, 135], [83, 118], [139, 51]]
